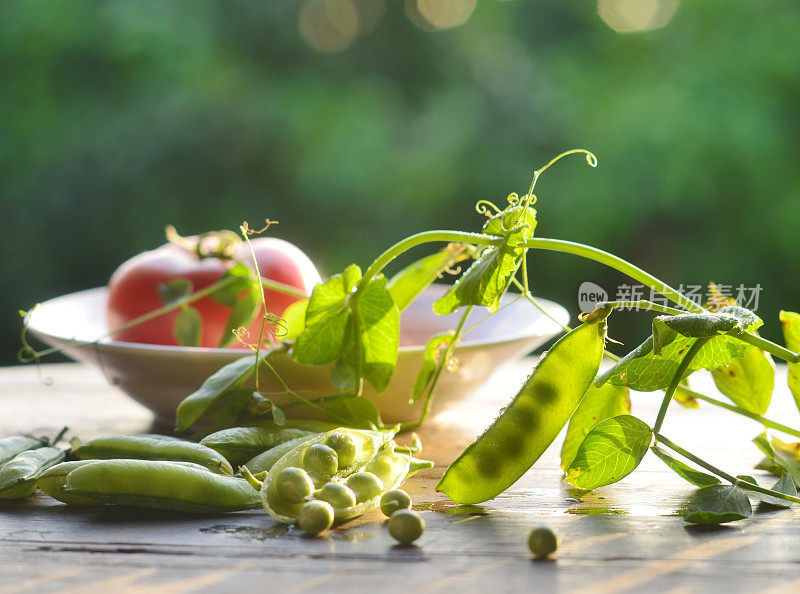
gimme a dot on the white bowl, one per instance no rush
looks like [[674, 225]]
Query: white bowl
[[160, 376]]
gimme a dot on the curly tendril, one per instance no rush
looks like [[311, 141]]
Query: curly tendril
[[246, 228], [483, 206], [591, 159], [513, 199]]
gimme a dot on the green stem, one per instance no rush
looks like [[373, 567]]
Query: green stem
[[676, 380], [429, 394], [419, 239], [617, 263], [721, 473], [640, 305], [742, 411], [769, 346]]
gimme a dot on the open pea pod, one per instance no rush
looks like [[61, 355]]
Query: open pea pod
[[18, 476], [354, 448]]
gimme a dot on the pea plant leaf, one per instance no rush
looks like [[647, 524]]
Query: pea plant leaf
[[748, 380], [651, 365], [352, 411], [610, 451], [784, 485], [784, 456], [174, 290], [431, 359], [188, 327], [327, 319], [686, 472], [237, 279], [488, 278], [226, 379], [406, 285], [597, 405], [790, 322], [294, 318], [718, 504]]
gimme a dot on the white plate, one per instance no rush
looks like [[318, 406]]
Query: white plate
[[160, 376]]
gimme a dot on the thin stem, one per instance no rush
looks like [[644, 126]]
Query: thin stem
[[742, 411], [617, 263], [721, 473], [261, 295], [640, 305], [429, 394], [676, 380], [419, 239], [769, 346]]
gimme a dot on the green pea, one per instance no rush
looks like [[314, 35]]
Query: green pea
[[321, 461], [542, 541], [16, 444], [345, 448], [18, 475], [315, 517], [178, 486], [266, 460], [406, 526], [394, 500], [294, 484], [365, 485], [551, 393], [338, 495], [152, 447]]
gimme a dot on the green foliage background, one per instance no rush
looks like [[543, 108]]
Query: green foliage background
[[117, 118]]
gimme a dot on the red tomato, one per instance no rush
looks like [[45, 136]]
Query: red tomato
[[133, 288]]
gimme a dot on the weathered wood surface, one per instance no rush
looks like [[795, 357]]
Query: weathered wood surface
[[626, 537]]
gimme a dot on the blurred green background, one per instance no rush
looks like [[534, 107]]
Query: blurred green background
[[358, 122]]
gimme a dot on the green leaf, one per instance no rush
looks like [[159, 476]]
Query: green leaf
[[376, 331], [278, 415], [431, 359], [609, 452], [748, 380], [224, 411], [784, 456], [784, 485], [685, 398], [188, 327], [790, 322], [686, 472], [327, 319], [652, 365], [294, 318], [488, 278], [406, 285], [597, 405], [242, 315], [226, 379], [718, 504], [238, 278], [174, 290], [352, 411]]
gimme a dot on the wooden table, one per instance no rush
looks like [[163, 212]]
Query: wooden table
[[626, 537]]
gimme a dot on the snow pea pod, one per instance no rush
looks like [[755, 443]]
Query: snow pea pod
[[178, 486], [285, 475], [266, 460], [147, 447], [52, 481], [521, 434], [239, 444], [16, 444], [18, 475]]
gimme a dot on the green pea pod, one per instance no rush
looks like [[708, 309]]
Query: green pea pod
[[52, 481], [18, 476], [239, 444], [530, 423], [16, 444], [266, 460], [367, 445], [178, 486], [146, 447]]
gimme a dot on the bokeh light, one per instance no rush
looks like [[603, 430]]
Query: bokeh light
[[635, 16], [440, 14], [329, 25]]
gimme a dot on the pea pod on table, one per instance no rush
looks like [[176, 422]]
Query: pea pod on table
[[240, 444], [530, 423], [18, 475], [153, 447], [16, 444], [266, 460], [178, 486], [52, 481]]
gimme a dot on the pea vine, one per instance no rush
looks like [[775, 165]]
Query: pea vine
[[351, 322]]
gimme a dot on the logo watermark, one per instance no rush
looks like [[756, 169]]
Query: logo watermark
[[590, 294]]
